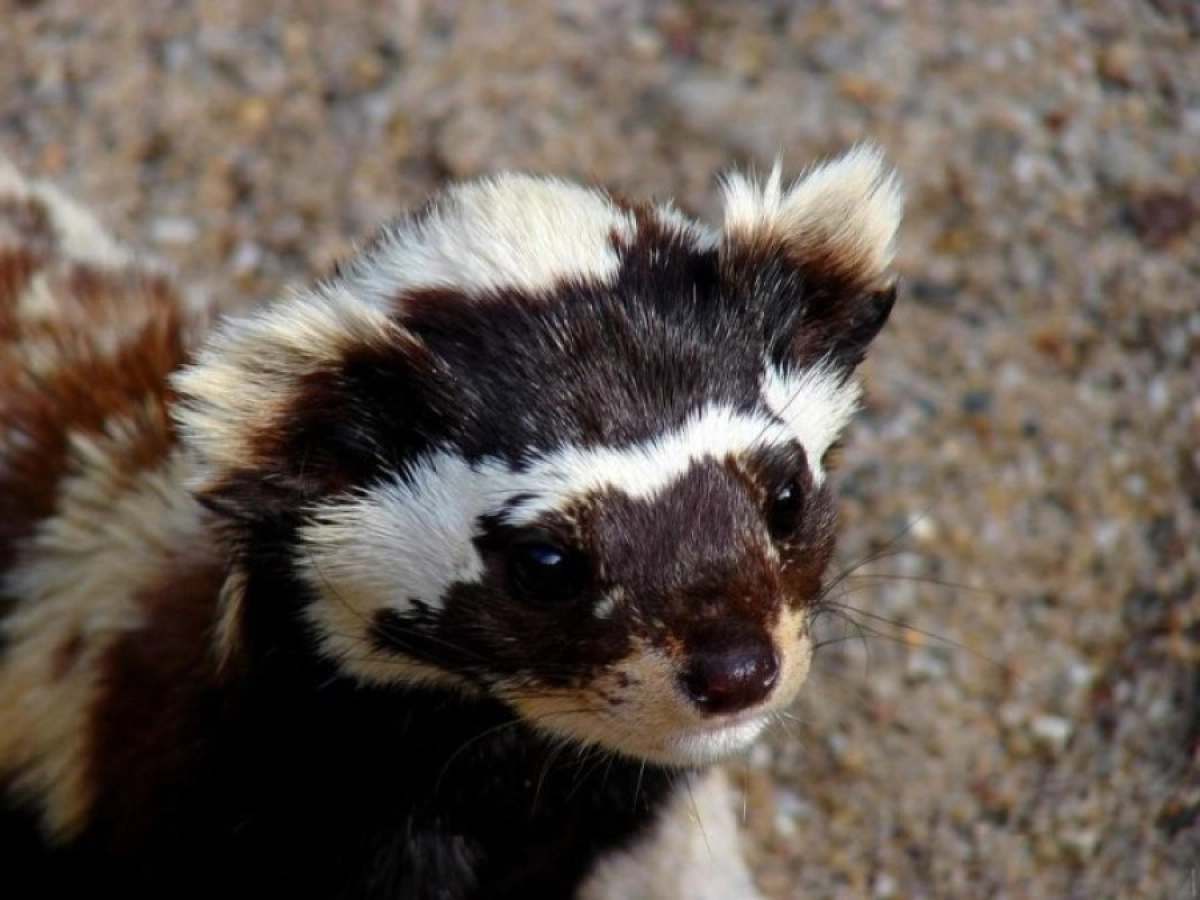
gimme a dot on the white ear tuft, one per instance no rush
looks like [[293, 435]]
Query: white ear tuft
[[842, 215]]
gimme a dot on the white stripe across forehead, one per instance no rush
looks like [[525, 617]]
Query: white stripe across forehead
[[643, 470], [410, 539]]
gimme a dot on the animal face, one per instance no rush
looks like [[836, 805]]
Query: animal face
[[558, 449]]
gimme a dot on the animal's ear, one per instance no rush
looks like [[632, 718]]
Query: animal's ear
[[307, 398], [816, 255]]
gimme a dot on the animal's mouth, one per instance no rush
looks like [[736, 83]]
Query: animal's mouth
[[715, 741]]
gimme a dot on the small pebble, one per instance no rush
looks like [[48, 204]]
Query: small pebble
[[173, 231], [1051, 732]]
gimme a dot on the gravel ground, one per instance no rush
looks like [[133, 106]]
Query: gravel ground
[[1013, 707]]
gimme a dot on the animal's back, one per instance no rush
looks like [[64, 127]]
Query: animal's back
[[91, 505]]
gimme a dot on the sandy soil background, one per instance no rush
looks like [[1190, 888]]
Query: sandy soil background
[[1016, 711]]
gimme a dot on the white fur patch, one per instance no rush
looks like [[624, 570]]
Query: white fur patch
[[815, 406], [845, 211], [80, 577], [607, 604], [506, 232], [643, 470], [691, 852], [390, 546], [720, 743]]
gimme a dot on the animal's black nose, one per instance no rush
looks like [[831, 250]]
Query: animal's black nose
[[733, 679]]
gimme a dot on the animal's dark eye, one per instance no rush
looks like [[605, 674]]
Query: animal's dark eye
[[546, 574], [785, 510]]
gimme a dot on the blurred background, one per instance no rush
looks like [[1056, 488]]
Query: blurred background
[[1010, 705]]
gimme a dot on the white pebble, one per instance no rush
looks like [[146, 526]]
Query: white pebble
[[1051, 732], [1081, 843], [885, 886], [171, 230], [247, 257]]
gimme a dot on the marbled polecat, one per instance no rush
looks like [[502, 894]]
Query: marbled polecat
[[448, 577]]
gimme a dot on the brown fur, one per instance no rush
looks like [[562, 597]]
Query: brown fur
[[85, 430], [147, 733]]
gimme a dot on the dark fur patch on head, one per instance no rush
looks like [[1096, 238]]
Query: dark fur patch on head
[[694, 546], [583, 369], [473, 635], [587, 365]]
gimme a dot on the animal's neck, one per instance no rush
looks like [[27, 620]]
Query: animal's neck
[[324, 782], [452, 777]]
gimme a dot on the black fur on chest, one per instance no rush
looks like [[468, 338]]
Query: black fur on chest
[[353, 794]]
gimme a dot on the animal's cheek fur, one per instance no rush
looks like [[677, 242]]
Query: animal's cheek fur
[[371, 644], [370, 641], [637, 707]]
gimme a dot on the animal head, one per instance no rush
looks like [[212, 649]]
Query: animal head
[[560, 449]]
